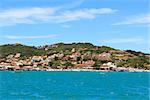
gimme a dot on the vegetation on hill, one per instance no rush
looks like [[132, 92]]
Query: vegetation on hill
[[81, 47], [26, 51], [136, 62], [135, 52], [82, 52]]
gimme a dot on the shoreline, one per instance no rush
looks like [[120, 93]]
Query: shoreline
[[77, 70]]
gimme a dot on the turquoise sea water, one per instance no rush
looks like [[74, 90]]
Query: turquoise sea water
[[43, 85]]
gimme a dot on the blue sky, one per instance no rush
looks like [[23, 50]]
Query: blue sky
[[121, 24]]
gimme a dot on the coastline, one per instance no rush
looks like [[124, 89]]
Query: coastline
[[79, 70], [89, 70]]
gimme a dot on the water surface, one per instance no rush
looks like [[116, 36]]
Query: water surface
[[74, 85]]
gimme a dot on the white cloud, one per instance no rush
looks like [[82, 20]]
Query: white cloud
[[81, 14], [24, 15], [28, 37], [48, 15], [140, 19], [134, 40]]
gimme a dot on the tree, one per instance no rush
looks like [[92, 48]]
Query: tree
[[54, 64], [122, 64], [68, 64], [97, 64], [138, 62], [50, 63], [78, 58]]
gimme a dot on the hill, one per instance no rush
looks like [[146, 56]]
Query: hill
[[74, 54], [25, 51]]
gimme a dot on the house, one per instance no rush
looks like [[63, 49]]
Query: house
[[36, 59], [2, 67], [10, 56], [108, 66], [75, 55], [73, 50], [88, 67], [89, 62], [9, 67], [19, 63], [17, 55]]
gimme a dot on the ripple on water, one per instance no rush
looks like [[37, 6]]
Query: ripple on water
[[82, 85], [37, 95]]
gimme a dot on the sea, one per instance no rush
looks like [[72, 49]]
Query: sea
[[44, 85]]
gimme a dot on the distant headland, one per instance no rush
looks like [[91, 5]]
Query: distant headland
[[71, 57]]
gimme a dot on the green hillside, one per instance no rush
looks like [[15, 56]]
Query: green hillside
[[25, 51]]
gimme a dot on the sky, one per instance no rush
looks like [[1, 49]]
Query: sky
[[121, 24]]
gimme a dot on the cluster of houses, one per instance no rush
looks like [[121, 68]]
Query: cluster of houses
[[13, 62]]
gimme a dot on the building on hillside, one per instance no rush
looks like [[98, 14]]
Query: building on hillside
[[36, 59], [75, 55], [108, 66], [10, 56], [17, 55]]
